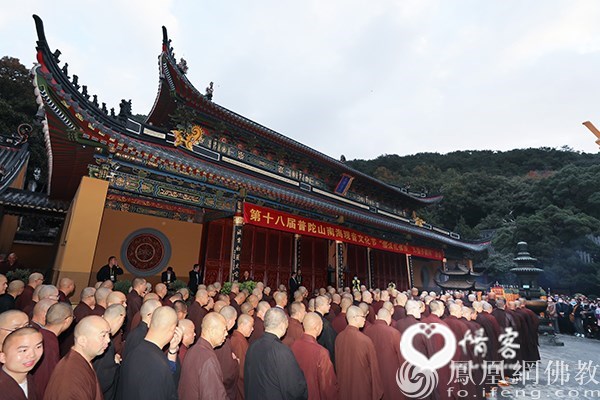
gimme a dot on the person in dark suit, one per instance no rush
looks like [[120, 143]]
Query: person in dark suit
[[168, 276], [110, 271], [294, 283], [194, 280]]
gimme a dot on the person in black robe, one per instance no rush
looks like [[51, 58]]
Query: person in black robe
[[8, 299], [270, 369], [328, 334], [137, 335], [134, 303], [110, 271], [108, 364], [148, 373]]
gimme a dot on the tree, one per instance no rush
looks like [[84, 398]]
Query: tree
[[18, 106]]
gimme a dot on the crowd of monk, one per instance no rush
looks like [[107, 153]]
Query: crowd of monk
[[330, 344]]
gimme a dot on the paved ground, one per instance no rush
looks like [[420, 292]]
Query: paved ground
[[569, 372]]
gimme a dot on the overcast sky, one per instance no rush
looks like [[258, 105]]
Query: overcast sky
[[359, 78]]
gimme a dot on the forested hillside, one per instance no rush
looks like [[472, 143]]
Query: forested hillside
[[547, 197]]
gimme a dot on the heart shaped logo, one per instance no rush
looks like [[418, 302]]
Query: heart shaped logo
[[420, 360]]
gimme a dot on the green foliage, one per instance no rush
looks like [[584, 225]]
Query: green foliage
[[18, 274], [547, 197], [177, 284], [123, 286], [18, 106], [249, 285]]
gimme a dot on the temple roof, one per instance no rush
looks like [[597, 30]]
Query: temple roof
[[18, 202], [13, 156], [174, 86], [77, 129]]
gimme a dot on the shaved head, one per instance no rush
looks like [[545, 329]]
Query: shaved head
[[115, 316], [92, 335], [58, 313], [388, 306], [101, 296], [189, 331], [116, 297], [230, 315], [48, 292], [151, 296], [384, 315], [214, 329], [312, 324], [245, 320], [41, 309], [148, 309], [345, 303], [16, 287], [262, 309], [276, 322], [11, 320], [163, 317], [355, 317], [12, 337]]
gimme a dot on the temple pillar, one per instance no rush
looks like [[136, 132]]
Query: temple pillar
[[297, 253], [236, 245], [339, 263], [370, 268], [79, 236], [409, 267]]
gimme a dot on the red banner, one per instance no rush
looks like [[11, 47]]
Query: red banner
[[273, 219]]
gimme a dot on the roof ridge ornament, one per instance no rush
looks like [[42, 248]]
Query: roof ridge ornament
[[209, 92], [39, 27], [167, 43]]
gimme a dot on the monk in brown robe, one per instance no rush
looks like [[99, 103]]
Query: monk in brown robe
[[239, 345], [445, 388], [340, 322], [367, 298], [10, 321], [26, 298], [460, 329], [197, 310], [532, 321], [336, 299], [356, 361], [22, 349], [58, 319], [38, 319], [229, 363], [294, 331], [86, 304], [314, 361], [189, 336], [387, 345], [259, 325], [66, 287], [201, 375], [83, 309], [399, 304], [101, 297], [492, 331], [74, 377]]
